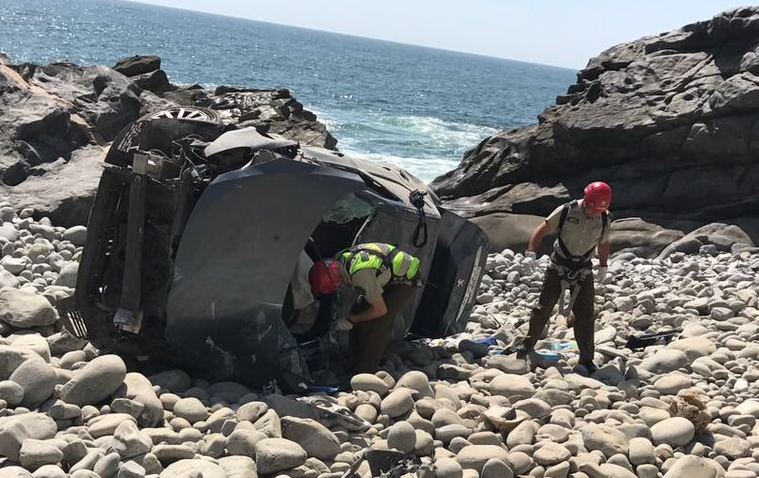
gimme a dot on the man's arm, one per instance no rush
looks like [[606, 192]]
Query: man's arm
[[377, 308], [537, 236]]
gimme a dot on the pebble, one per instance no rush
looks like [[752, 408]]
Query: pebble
[[675, 431]]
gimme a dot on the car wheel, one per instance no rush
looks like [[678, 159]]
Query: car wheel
[[185, 113]]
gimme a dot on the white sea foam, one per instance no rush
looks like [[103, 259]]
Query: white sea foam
[[426, 146]]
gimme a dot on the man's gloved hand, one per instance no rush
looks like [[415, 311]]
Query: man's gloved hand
[[343, 325], [601, 274]]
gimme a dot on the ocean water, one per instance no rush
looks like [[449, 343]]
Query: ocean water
[[419, 107]]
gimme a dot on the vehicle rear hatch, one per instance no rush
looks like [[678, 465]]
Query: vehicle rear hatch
[[457, 268]]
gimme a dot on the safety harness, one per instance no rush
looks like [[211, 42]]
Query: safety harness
[[403, 267], [573, 270]]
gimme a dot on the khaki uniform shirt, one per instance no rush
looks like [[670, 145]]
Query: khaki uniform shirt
[[580, 232], [369, 284]]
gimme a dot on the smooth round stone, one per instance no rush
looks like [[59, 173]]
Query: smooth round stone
[[128, 442], [558, 434], [694, 347], [417, 381], [485, 438], [605, 439], [508, 364], [444, 417], [36, 453], [424, 444], [402, 437], [534, 407], [675, 432], [50, 471], [76, 235], [11, 392], [475, 456], [641, 452], [193, 467], [399, 402], [95, 382], [551, 454], [106, 424], [665, 361], [191, 409], [514, 387], [367, 412], [519, 462], [277, 454], [691, 467], [522, 434], [448, 468], [496, 468], [740, 474], [651, 416], [449, 432], [457, 444], [316, 439], [672, 383], [369, 382], [733, 448], [647, 471], [24, 308]]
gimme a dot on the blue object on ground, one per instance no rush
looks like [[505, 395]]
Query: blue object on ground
[[549, 356], [486, 341], [324, 389]]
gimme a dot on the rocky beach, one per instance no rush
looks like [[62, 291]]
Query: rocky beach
[[455, 407], [685, 405]]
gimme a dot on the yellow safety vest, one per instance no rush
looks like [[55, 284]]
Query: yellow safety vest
[[377, 255]]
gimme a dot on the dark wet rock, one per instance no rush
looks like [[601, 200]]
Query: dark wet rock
[[137, 65], [668, 120], [59, 118]]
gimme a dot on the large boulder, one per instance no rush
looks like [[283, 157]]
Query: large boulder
[[668, 120], [25, 308], [95, 382]]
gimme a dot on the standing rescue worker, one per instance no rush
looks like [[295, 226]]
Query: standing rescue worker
[[582, 226], [386, 280]]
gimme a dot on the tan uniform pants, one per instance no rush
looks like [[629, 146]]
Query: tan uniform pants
[[369, 339], [582, 309]]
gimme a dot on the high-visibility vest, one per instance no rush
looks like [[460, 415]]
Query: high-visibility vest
[[380, 257]]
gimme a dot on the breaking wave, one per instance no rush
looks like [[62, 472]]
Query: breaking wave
[[425, 146]]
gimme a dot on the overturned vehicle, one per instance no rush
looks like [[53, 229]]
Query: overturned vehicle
[[201, 234]]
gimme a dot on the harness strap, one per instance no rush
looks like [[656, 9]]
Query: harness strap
[[563, 219]]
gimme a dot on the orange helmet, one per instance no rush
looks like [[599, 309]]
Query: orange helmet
[[325, 277], [598, 196]]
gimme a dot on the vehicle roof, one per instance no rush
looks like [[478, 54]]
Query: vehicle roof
[[392, 177]]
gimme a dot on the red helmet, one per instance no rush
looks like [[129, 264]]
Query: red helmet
[[325, 277], [598, 196]]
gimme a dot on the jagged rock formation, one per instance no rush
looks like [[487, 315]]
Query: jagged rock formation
[[57, 120], [670, 121]]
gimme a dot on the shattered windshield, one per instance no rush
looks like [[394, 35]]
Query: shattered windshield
[[349, 208]]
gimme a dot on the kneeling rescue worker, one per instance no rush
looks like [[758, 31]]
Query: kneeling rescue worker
[[581, 227], [386, 280]]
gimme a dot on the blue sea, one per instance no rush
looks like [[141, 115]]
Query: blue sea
[[419, 107]]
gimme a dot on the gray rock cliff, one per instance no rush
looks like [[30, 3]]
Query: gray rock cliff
[[670, 121]]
